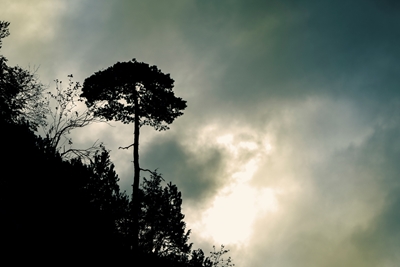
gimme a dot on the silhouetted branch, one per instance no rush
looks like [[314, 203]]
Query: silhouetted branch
[[216, 258], [66, 116], [126, 147], [84, 154], [153, 172]]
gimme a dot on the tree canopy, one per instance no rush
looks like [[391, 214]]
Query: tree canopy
[[129, 89]]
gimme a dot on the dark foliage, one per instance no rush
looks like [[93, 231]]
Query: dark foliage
[[162, 229], [52, 207], [116, 89], [20, 92]]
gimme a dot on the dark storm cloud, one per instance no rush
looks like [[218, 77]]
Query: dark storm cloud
[[199, 174], [282, 50], [251, 51], [105, 32], [259, 49]]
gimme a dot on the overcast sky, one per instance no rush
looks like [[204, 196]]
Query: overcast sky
[[288, 152]]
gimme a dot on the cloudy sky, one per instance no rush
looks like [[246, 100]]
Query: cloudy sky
[[288, 152]]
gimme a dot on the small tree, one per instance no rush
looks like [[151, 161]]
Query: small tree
[[65, 116], [216, 259], [134, 92], [197, 258], [162, 229]]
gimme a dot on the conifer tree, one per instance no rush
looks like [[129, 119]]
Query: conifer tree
[[134, 92]]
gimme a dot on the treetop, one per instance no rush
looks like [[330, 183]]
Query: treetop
[[115, 91], [4, 32]]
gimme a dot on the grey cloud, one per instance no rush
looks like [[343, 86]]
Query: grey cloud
[[198, 174], [330, 48], [345, 213], [379, 240]]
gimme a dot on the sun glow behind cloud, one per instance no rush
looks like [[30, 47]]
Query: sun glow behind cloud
[[321, 186], [235, 208]]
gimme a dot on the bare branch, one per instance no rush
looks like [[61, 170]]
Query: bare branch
[[126, 147], [152, 172], [85, 154], [67, 115]]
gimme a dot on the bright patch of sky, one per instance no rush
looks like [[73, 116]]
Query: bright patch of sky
[[230, 217]]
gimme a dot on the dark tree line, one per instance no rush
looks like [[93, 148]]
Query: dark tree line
[[67, 210]]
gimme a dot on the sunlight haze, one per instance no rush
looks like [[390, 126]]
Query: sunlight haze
[[288, 151]]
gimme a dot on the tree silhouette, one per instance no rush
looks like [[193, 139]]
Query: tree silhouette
[[162, 235], [65, 116], [162, 229], [134, 92], [21, 98], [4, 32]]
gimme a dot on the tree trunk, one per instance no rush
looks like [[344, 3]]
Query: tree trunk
[[135, 189]]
